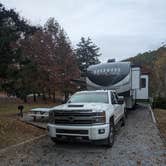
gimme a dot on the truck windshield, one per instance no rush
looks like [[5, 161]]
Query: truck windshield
[[90, 97]]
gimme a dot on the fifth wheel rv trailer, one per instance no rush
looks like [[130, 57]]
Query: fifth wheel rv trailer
[[120, 76]]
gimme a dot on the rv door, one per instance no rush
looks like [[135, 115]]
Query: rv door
[[135, 77]]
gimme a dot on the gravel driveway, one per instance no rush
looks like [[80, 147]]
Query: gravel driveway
[[138, 143]]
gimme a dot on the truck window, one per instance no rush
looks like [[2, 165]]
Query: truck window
[[89, 97]]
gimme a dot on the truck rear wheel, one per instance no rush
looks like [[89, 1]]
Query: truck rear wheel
[[111, 136], [125, 112]]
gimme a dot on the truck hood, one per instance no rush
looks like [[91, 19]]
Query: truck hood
[[82, 106]]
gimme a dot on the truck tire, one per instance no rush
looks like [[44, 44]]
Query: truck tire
[[125, 112], [123, 120], [111, 136], [54, 139]]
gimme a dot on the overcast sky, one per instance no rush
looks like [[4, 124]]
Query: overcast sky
[[121, 28]]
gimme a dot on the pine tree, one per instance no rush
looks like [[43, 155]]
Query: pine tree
[[12, 29], [87, 54]]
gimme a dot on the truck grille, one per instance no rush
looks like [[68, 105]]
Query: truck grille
[[71, 131], [73, 117]]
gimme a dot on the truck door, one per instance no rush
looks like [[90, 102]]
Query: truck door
[[121, 106], [116, 106]]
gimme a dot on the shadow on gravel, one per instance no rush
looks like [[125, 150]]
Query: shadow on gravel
[[81, 145]]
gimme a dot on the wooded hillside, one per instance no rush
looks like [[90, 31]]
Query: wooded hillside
[[154, 62]]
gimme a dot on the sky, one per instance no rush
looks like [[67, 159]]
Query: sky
[[121, 28]]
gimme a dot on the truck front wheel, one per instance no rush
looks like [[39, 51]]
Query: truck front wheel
[[123, 121], [54, 139], [111, 136], [57, 140]]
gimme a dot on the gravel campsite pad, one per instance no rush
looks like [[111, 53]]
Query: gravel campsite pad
[[138, 143]]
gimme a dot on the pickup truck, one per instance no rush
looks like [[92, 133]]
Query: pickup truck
[[91, 115]]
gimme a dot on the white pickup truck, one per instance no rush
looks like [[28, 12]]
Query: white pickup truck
[[90, 115]]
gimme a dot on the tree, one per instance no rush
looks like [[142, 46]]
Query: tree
[[34, 59], [12, 29], [63, 56], [50, 50], [39, 49], [68, 64], [87, 54]]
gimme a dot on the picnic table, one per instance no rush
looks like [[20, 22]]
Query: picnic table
[[39, 112]]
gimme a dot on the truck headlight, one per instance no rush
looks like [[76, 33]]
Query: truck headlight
[[100, 117]]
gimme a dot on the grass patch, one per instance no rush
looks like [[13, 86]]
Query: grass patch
[[12, 108], [160, 115]]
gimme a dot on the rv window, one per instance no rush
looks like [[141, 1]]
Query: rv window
[[143, 83]]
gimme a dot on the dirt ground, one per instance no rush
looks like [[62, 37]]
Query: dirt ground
[[160, 115], [13, 131]]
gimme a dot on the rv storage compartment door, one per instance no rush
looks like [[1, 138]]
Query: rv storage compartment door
[[135, 78]]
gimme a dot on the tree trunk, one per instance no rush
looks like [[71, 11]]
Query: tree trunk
[[25, 99], [44, 97], [66, 96], [49, 93], [54, 96], [34, 97]]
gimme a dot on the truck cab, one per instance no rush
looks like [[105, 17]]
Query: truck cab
[[90, 115]]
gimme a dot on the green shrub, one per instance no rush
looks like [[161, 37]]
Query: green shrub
[[159, 103]]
